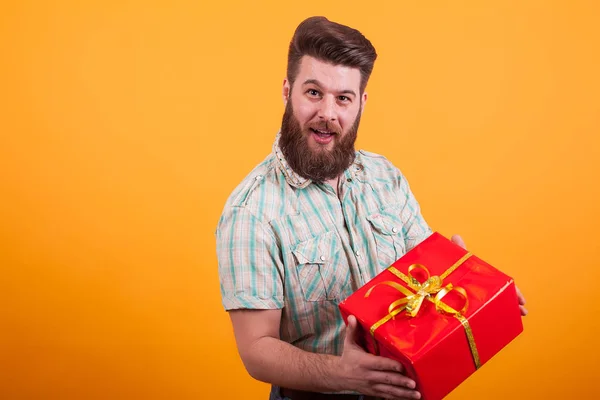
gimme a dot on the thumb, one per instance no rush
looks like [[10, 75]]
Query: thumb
[[458, 240], [350, 339]]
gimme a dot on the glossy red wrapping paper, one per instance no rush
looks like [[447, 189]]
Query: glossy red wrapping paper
[[433, 346]]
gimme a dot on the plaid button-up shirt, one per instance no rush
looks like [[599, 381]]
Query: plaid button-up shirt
[[285, 242]]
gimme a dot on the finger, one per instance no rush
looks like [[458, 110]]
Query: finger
[[524, 311], [377, 363], [391, 378], [520, 296], [351, 332], [393, 392], [458, 240]]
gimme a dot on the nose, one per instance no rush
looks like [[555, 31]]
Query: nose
[[327, 109]]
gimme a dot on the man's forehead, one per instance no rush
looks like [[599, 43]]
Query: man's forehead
[[331, 76]]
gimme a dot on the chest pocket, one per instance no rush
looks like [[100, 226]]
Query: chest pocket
[[386, 227], [321, 266]]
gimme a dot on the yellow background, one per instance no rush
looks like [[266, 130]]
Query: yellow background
[[126, 124]]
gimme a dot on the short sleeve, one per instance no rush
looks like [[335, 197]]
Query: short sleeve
[[414, 227], [250, 266]]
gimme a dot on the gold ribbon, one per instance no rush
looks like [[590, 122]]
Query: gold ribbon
[[413, 300]]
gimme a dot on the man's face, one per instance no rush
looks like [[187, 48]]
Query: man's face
[[321, 119]]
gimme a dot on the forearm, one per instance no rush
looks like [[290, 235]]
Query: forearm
[[273, 361]]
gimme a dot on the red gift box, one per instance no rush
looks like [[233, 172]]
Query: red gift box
[[439, 310]]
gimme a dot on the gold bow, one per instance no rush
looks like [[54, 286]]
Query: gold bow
[[413, 300]]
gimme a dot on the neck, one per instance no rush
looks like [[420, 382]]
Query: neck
[[334, 183]]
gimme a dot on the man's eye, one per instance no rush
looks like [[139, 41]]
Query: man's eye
[[344, 98], [312, 92]]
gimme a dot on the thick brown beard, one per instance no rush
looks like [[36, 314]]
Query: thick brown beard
[[319, 165]]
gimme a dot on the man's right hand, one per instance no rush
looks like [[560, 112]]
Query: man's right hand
[[372, 375]]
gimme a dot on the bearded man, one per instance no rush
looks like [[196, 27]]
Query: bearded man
[[312, 223]]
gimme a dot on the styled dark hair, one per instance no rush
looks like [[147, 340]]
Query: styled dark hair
[[331, 42]]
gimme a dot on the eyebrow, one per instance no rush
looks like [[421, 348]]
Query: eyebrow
[[316, 82]]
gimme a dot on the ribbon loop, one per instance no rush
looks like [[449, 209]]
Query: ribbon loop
[[413, 280], [440, 306]]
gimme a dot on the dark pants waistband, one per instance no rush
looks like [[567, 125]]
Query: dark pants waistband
[[302, 395]]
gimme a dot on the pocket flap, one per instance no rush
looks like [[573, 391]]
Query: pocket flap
[[317, 250], [387, 222]]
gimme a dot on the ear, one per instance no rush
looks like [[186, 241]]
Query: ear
[[364, 102], [286, 91]]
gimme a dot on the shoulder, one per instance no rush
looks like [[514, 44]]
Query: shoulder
[[376, 165], [369, 154], [240, 195], [259, 194]]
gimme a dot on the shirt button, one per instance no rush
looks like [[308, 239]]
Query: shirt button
[[394, 230], [322, 258], [357, 253]]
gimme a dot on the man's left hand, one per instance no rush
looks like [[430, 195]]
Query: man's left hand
[[458, 240]]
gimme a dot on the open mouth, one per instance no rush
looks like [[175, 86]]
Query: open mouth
[[322, 134], [322, 137]]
